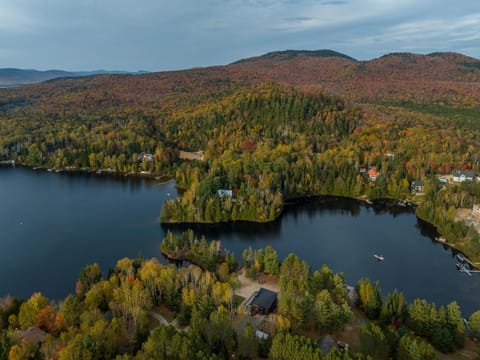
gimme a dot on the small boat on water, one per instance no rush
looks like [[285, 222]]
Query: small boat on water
[[378, 257], [460, 258]]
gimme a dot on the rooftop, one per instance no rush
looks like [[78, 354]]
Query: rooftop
[[264, 298]]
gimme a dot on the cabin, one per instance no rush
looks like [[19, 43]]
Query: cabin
[[362, 170], [476, 209], [224, 193], [263, 302], [373, 174], [443, 180], [462, 176], [417, 187]]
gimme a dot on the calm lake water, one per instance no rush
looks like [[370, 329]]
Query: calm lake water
[[52, 225]]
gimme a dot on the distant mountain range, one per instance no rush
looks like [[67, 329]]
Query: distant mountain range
[[296, 67], [10, 77], [448, 78]]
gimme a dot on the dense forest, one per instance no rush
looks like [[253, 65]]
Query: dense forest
[[145, 309], [271, 129]]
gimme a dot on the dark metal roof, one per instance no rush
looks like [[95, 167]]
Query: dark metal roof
[[265, 298]]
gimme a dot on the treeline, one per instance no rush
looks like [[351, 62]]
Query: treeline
[[187, 247], [106, 143], [388, 335], [439, 207]]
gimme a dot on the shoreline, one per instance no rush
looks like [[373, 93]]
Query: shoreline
[[180, 259], [98, 172], [290, 203], [442, 240]]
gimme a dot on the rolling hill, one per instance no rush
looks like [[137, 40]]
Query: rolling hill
[[447, 78]]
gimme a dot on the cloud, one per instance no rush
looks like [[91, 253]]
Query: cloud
[[162, 34], [13, 19], [441, 34], [334, 2]]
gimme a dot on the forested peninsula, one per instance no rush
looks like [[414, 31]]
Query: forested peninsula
[[244, 139]]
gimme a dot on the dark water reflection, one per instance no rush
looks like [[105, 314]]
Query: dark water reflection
[[52, 225], [345, 233]]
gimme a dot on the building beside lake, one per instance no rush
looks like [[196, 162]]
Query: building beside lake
[[462, 176], [373, 174], [263, 302], [224, 193], [417, 187]]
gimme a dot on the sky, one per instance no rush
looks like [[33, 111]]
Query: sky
[[156, 35]]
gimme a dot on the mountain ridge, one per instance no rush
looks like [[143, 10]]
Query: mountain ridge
[[306, 59], [10, 77], [290, 54], [450, 78]]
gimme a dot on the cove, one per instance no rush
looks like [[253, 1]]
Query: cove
[[52, 225]]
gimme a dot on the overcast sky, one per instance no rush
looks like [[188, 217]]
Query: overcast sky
[[177, 34]]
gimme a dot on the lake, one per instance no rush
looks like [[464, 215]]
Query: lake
[[52, 225]]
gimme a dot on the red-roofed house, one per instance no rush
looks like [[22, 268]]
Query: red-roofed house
[[373, 174]]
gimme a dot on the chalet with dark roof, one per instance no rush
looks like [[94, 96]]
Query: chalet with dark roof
[[263, 302]]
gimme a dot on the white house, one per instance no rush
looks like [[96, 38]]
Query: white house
[[462, 176], [222, 192]]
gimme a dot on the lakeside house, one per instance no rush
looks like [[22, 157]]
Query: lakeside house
[[462, 176], [224, 192], [144, 157], [263, 302], [417, 187], [373, 174]]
